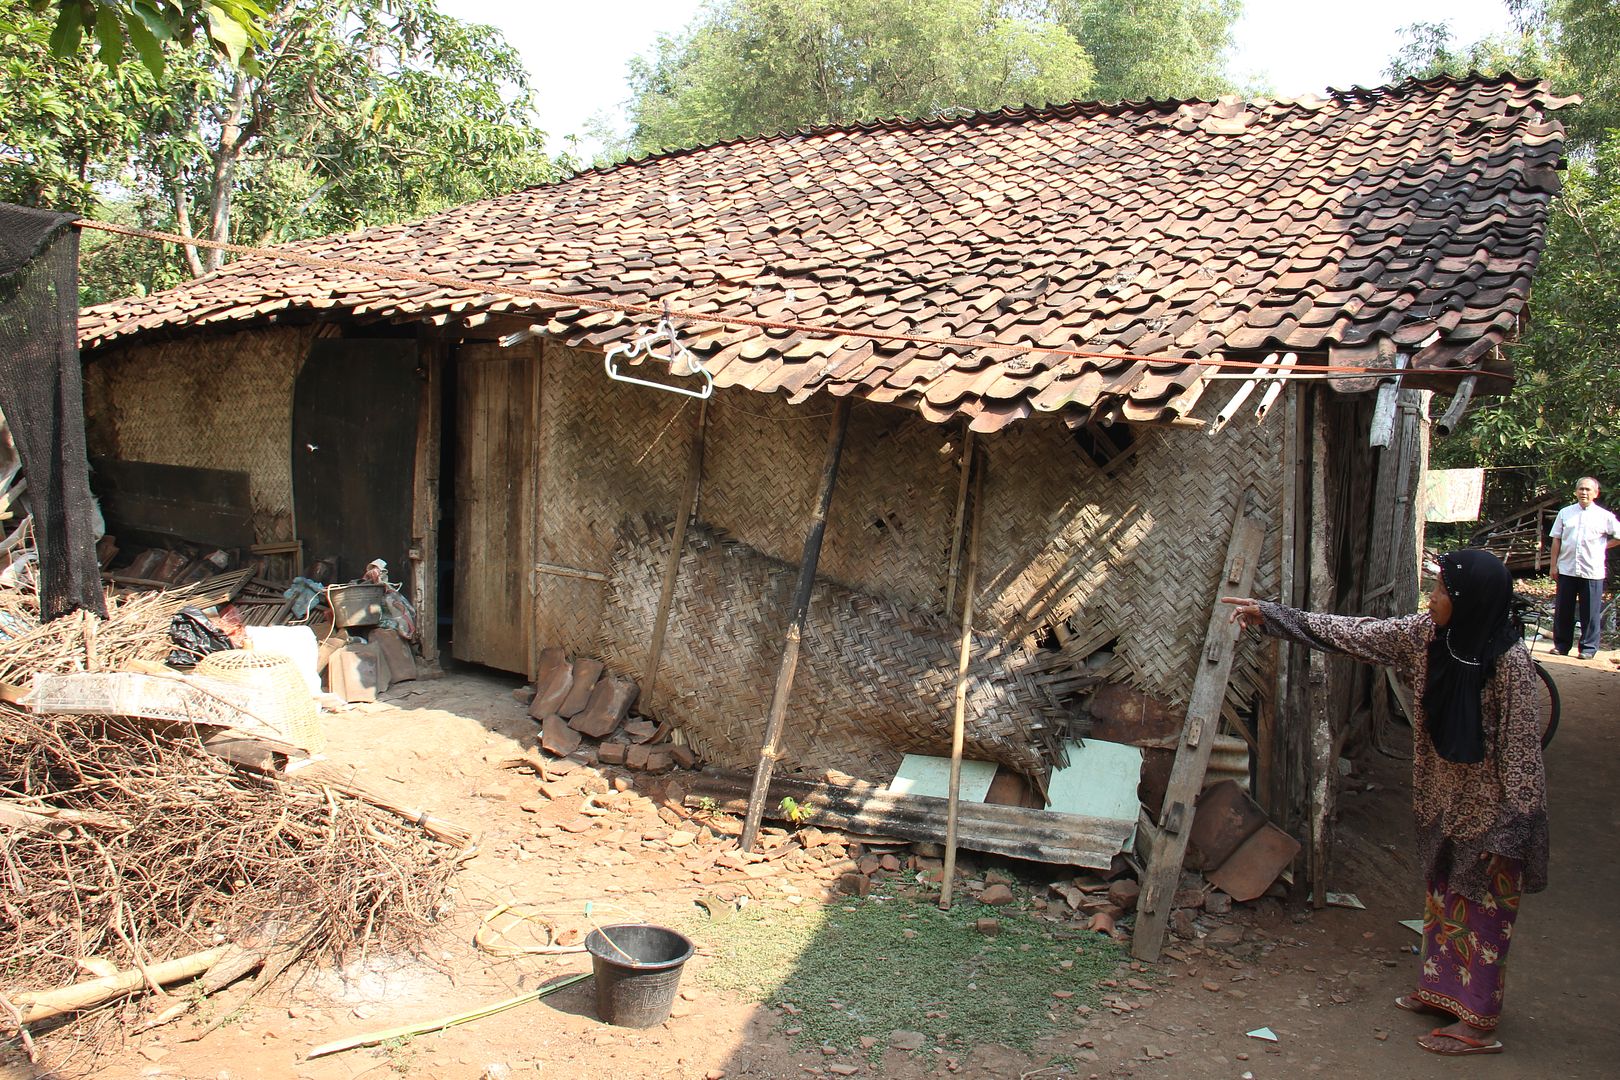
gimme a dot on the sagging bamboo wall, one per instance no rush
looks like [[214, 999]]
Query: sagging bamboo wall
[[206, 401], [1130, 558]]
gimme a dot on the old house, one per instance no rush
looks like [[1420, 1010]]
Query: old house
[[1157, 322]]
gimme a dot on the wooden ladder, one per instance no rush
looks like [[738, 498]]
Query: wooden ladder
[[1166, 843]]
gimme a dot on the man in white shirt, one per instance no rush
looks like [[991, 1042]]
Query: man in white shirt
[[1581, 535]]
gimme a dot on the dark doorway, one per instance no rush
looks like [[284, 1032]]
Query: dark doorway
[[354, 440]]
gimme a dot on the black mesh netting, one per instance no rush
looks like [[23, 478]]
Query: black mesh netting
[[42, 397]]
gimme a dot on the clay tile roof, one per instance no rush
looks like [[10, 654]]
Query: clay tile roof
[[1412, 214]]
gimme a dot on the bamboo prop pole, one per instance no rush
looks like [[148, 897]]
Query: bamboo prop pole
[[959, 721], [795, 631], [694, 481], [961, 522], [429, 1026], [45, 1004]]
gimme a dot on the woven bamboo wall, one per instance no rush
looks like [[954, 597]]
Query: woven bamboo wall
[[207, 401]]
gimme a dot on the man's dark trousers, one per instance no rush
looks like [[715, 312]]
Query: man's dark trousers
[[1587, 595]]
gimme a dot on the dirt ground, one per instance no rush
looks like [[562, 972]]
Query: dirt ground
[[1323, 981]]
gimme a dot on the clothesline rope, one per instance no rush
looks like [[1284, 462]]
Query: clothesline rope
[[812, 329]]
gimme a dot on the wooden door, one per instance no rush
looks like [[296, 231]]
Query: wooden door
[[496, 409], [354, 425]]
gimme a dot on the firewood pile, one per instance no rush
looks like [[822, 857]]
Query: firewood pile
[[134, 856]]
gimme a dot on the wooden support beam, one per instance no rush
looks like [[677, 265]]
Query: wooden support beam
[[795, 631], [1319, 730], [421, 577], [1198, 734]]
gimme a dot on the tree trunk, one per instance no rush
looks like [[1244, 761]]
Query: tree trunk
[[182, 218], [233, 134]]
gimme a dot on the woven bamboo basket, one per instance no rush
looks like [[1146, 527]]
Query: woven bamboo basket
[[280, 696]]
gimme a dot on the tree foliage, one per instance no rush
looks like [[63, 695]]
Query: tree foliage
[[352, 113], [1563, 416], [1154, 48], [232, 28], [747, 67]]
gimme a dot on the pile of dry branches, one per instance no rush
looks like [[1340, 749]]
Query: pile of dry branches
[[136, 629], [127, 843]]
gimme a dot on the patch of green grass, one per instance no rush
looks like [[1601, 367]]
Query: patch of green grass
[[400, 1053], [849, 969]]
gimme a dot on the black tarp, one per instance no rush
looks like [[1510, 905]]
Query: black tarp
[[42, 396]]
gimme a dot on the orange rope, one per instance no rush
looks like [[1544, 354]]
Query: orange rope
[[812, 329]]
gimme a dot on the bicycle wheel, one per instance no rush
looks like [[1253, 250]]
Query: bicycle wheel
[[1548, 706]]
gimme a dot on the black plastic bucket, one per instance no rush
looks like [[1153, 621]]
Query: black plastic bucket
[[636, 982]]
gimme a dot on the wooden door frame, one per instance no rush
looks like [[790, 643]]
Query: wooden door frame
[[541, 351], [433, 350]]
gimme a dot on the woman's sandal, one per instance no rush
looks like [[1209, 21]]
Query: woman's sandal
[[1466, 1044], [1412, 1005]]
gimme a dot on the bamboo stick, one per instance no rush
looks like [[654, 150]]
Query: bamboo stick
[[442, 1023], [795, 631], [959, 721], [694, 481], [44, 1004], [961, 521]]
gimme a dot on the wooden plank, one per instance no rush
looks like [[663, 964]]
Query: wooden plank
[[1382, 428], [1016, 831], [1198, 735], [149, 502]]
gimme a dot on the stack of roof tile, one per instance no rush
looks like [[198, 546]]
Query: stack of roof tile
[[1340, 228]]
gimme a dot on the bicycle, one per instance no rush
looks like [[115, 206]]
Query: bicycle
[[1527, 610]]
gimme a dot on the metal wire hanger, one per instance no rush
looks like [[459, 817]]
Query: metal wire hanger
[[682, 361]]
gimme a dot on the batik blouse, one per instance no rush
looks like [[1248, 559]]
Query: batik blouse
[[1464, 812]]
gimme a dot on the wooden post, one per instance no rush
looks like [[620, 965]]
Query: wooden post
[[1266, 741], [795, 631], [694, 480], [421, 577], [1320, 757], [959, 721], [1169, 843]]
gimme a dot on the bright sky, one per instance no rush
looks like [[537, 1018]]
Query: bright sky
[[577, 52]]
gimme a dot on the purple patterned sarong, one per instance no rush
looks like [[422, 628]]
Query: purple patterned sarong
[[1465, 944]]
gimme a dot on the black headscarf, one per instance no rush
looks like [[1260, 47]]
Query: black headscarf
[[1462, 656]]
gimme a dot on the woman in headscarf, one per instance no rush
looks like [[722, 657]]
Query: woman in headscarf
[[1478, 788]]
